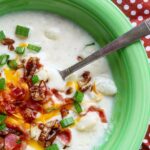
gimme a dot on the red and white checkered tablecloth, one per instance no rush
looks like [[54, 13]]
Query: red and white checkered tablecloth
[[137, 11]]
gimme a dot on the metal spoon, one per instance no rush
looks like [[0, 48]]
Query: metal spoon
[[131, 36]]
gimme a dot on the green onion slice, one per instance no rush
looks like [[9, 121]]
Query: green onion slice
[[2, 35], [3, 59], [52, 147], [2, 83], [35, 79], [78, 107], [2, 126], [67, 122], [22, 31], [34, 47], [2, 118], [12, 64], [78, 97], [20, 50]]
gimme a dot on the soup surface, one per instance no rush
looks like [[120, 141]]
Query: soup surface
[[38, 110]]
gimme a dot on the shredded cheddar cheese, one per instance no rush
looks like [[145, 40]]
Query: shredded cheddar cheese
[[23, 44], [45, 117], [12, 76], [34, 144], [73, 84]]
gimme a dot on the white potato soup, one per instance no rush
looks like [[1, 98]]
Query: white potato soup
[[38, 109]]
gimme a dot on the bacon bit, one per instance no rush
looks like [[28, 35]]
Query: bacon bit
[[64, 112], [32, 65], [17, 130], [79, 58], [7, 97], [69, 91], [18, 93], [85, 88], [11, 142], [8, 107], [4, 132], [86, 77], [65, 136], [69, 101], [49, 132], [9, 42], [56, 93], [1, 143], [38, 93], [6, 103], [100, 112], [29, 114], [11, 47], [84, 84]]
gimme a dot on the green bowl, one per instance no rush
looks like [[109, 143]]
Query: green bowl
[[103, 20]]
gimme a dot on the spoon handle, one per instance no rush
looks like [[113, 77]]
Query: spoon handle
[[132, 35]]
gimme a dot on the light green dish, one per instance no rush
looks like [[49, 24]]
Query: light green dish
[[103, 20]]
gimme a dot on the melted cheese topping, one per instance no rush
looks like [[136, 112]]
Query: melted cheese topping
[[34, 144], [12, 76]]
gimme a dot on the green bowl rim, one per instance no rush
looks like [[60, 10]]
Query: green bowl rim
[[138, 79]]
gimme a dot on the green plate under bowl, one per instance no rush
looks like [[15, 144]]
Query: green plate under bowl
[[103, 20]]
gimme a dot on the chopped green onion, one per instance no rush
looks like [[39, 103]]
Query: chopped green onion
[[2, 126], [52, 147], [2, 35], [20, 50], [35, 79], [67, 122], [34, 47], [12, 64], [78, 107], [22, 31], [2, 118], [3, 59], [78, 97], [2, 84]]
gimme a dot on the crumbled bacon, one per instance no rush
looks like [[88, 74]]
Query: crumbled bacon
[[32, 65], [49, 132], [9, 107], [1, 143], [11, 47], [29, 114], [69, 91], [65, 136], [69, 101], [57, 94], [9, 42], [11, 142], [64, 112], [4, 132], [39, 92], [10, 136], [7, 103], [100, 112], [17, 130], [18, 93], [84, 83]]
